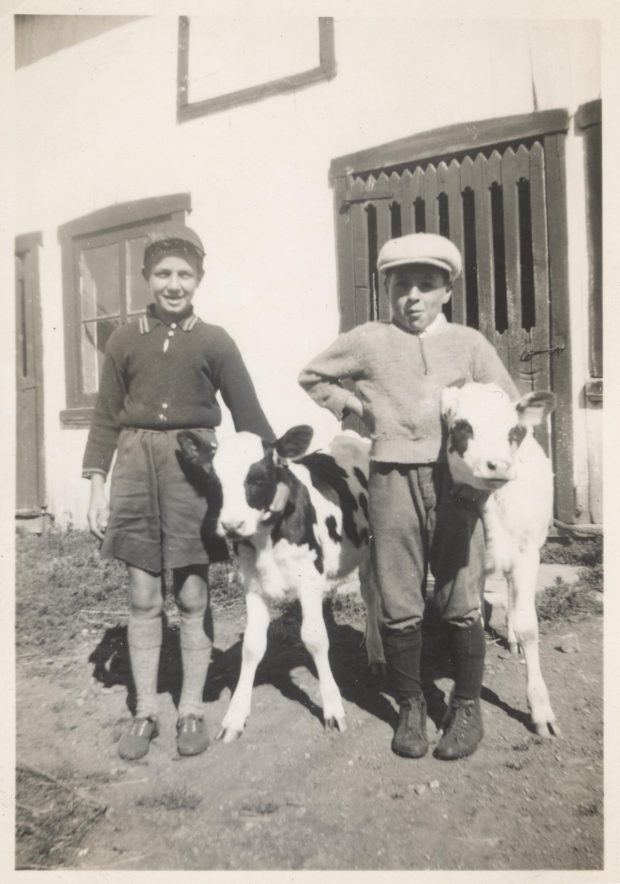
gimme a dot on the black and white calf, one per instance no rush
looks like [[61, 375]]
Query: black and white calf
[[491, 446], [297, 526]]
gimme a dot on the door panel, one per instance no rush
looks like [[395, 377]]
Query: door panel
[[503, 205], [30, 484]]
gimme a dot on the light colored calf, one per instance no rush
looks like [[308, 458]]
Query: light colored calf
[[491, 446], [297, 526]]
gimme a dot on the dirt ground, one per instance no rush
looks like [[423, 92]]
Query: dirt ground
[[289, 795]]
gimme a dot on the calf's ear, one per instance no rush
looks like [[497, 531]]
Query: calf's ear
[[534, 408], [194, 449], [294, 442]]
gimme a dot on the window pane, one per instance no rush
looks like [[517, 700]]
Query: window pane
[[94, 339], [137, 289], [99, 281]]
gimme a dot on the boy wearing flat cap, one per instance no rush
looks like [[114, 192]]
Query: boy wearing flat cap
[[161, 374], [417, 517]]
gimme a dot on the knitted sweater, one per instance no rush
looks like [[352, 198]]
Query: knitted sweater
[[398, 378], [165, 377]]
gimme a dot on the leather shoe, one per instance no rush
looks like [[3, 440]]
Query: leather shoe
[[463, 733], [410, 737], [135, 743], [192, 736]]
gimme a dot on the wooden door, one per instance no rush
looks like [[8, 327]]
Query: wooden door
[[499, 194], [30, 479]]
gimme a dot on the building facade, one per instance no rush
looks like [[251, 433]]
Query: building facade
[[295, 148]]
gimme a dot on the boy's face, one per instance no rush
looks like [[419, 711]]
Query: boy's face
[[416, 293], [172, 281]]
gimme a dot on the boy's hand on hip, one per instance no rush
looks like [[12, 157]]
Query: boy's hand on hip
[[354, 405]]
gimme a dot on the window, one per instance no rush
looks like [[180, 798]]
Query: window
[[227, 62], [103, 287]]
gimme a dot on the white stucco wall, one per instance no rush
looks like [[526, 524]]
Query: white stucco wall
[[96, 125]]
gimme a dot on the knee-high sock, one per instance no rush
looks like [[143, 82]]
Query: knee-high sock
[[196, 656], [144, 637], [468, 649], [402, 656]]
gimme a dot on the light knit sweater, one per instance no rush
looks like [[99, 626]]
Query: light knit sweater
[[398, 377]]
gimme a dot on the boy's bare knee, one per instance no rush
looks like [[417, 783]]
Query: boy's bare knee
[[145, 593], [191, 590]]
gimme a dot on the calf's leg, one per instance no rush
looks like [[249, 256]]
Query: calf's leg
[[254, 647], [314, 636], [523, 628]]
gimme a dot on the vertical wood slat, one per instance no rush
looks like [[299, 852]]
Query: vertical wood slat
[[449, 181], [346, 278], [484, 249], [406, 202], [344, 247], [359, 239], [417, 191], [384, 232], [527, 368], [493, 176], [561, 368], [540, 337], [516, 339], [430, 194], [467, 183]]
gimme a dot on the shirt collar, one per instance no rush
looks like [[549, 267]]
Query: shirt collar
[[149, 320], [437, 325]]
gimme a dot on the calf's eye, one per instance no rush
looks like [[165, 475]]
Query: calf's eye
[[517, 434], [460, 434]]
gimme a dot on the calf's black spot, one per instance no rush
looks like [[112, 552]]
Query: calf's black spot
[[460, 433], [332, 529], [330, 480]]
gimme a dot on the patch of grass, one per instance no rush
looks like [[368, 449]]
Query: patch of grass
[[173, 799], [568, 601], [51, 820], [59, 574], [573, 551], [348, 606]]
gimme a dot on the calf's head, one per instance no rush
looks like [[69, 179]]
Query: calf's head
[[485, 431], [249, 476]]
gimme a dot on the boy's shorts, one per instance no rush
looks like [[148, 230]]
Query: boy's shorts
[[155, 513]]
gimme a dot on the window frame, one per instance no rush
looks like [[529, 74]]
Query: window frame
[[113, 224], [189, 110]]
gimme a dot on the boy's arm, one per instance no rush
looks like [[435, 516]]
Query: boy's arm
[[489, 369], [105, 427], [238, 393], [322, 377]]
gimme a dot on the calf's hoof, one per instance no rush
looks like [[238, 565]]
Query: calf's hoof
[[547, 729], [228, 734], [335, 724]]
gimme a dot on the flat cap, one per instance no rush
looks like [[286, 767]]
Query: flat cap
[[421, 248], [173, 233]]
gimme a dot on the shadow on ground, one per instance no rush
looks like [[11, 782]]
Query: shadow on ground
[[285, 653]]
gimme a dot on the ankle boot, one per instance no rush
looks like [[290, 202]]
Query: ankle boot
[[463, 733], [410, 736]]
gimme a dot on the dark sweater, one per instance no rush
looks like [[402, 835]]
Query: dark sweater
[[398, 378], [165, 377]]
